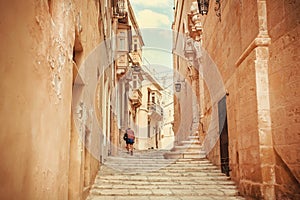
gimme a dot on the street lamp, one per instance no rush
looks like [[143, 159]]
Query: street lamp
[[189, 49], [177, 86], [203, 7]]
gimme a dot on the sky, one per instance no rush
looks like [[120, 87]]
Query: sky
[[153, 13], [155, 19]]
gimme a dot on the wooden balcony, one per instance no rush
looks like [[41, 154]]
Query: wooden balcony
[[135, 97], [122, 63], [155, 111], [135, 58]]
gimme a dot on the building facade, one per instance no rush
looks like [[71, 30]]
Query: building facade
[[60, 70], [127, 63], [167, 136], [253, 45], [149, 114]]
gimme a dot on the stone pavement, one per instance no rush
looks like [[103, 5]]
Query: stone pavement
[[148, 176]]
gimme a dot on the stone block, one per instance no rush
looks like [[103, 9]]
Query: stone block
[[249, 138], [268, 174], [286, 184], [287, 134], [249, 18], [265, 136], [267, 155], [284, 193], [249, 156], [250, 172], [276, 15], [290, 153], [250, 189], [277, 115], [262, 53]]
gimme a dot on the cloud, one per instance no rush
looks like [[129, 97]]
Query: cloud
[[157, 56], [150, 19], [153, 3]]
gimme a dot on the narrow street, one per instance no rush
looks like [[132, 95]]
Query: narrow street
[[147, 175], [203, 94]]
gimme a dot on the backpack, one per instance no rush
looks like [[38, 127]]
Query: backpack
[[125, 137], [130, 134]]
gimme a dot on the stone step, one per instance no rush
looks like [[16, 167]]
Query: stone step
[[153, 171], [133, 159], [205, 185], [192, 148], [191, 176], [164, 192], [175, 164], [192, 163], [177, 155], [188, 145], [146, 197], [175, 172], [190, 142], [146, 162], [193, 137], [164, 179]]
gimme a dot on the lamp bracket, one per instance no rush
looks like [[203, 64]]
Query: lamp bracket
[[218, 9]]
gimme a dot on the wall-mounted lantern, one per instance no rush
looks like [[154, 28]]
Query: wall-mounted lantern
[[203, 7], [189, 49], [136, 68], [119, 8], [178, 86]]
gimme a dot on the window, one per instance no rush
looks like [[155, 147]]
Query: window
[[134, 84], [135, 47], [122, 42], [148, 129], [121, 7]]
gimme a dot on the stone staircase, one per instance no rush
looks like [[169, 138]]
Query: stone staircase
[[190, 148], [148, 176]]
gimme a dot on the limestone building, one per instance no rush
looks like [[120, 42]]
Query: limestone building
[[242, 65], [149, 115], [58, 74], [167, 135], [127, 62]]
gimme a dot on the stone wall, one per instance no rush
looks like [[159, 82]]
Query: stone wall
[[261, 78], [284, 74], [36, 84], [183, 103], [43, 155]]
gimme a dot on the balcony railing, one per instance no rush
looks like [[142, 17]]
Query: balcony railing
[[135, 58], [135, 97], [155, 111]]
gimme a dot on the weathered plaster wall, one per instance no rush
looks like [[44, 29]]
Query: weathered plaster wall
[[36, 84], [87, 143], [43, 154]]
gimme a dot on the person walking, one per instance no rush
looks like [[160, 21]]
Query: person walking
[[130, 140], [125, 137]]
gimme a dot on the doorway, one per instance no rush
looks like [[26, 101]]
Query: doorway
[[223, 131]]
